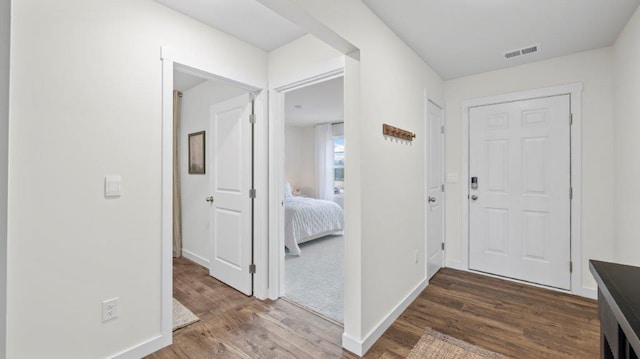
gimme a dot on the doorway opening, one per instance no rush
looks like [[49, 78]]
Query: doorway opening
[[208, 184], [212, 206], [313, 202]]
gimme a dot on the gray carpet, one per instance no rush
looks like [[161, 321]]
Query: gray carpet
[[315, 279]]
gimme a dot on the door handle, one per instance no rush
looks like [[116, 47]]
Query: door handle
[[474, 197], [432, 199], [209, 199]]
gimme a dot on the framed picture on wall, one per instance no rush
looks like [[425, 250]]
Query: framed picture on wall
[[196, 153]]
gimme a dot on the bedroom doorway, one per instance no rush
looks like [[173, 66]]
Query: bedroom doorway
[[313, 201]]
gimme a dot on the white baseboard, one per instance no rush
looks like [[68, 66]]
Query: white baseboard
[[143, 349], [589, 293], [361, 347], [351, 344], [455, 264], [195, 258]]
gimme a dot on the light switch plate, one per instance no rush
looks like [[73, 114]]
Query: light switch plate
[[112, 186]]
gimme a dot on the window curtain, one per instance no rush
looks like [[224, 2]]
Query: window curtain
[[177, 201], [324, 162]]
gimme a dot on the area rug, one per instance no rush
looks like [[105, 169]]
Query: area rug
[[315, 279], [434, 345], [182, 316]]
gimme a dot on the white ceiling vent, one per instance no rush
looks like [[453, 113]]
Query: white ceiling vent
[[524, 51]]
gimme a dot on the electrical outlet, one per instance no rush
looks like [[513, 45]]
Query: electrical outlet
[[109, 309]]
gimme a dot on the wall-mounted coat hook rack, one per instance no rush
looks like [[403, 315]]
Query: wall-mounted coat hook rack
[[392, 131]]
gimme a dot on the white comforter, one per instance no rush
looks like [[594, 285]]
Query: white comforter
[[309, 218]]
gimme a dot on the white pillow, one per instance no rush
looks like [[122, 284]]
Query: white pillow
[[287, 190]]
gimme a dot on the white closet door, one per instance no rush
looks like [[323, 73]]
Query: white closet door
[[230, 214], [435, 196]]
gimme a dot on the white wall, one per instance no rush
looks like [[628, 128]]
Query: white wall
[[308, 162], [594, 69], [86, 102], [292, 155], [627, 146], [195, 113], [299, 158], [300, 60], [392, 84], [5, 30]]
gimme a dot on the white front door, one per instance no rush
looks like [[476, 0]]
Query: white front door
[[519, 214], [435, 195], [230, 175]]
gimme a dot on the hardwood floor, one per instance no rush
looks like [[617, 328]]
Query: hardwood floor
[[233, 325], [506, 317], [514, 319]]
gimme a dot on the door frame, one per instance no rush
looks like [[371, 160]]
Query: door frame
[[427, 99], [277, 175], [574, 90], [193, 63]]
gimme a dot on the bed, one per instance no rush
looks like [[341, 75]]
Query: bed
[[309, 218]]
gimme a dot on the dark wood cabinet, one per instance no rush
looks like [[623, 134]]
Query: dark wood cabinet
[[618, 309]]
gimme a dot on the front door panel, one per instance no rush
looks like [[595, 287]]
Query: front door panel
[[519, 152]]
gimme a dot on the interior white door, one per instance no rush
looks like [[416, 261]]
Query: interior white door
[[230, 175], [519, 214], [435, 194]]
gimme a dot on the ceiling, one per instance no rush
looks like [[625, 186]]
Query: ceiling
[[463, 37], [321, 103], [183, 81], [247, 20], [455, 37]]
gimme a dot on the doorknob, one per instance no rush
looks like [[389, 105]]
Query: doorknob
[[210, 199], [474, 197], [432, 199]]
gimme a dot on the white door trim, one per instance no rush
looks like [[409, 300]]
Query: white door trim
[[276, 176], [575, 92], [193, 63]]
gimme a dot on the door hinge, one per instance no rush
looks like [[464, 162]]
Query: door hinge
[[252, 193], [570, 119], [570, 266], [570, 192], [252, 118], [252, 268], [443, 246], [442, 187], [442, 129]]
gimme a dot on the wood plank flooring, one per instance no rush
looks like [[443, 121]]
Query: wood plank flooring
[[513, 319]]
